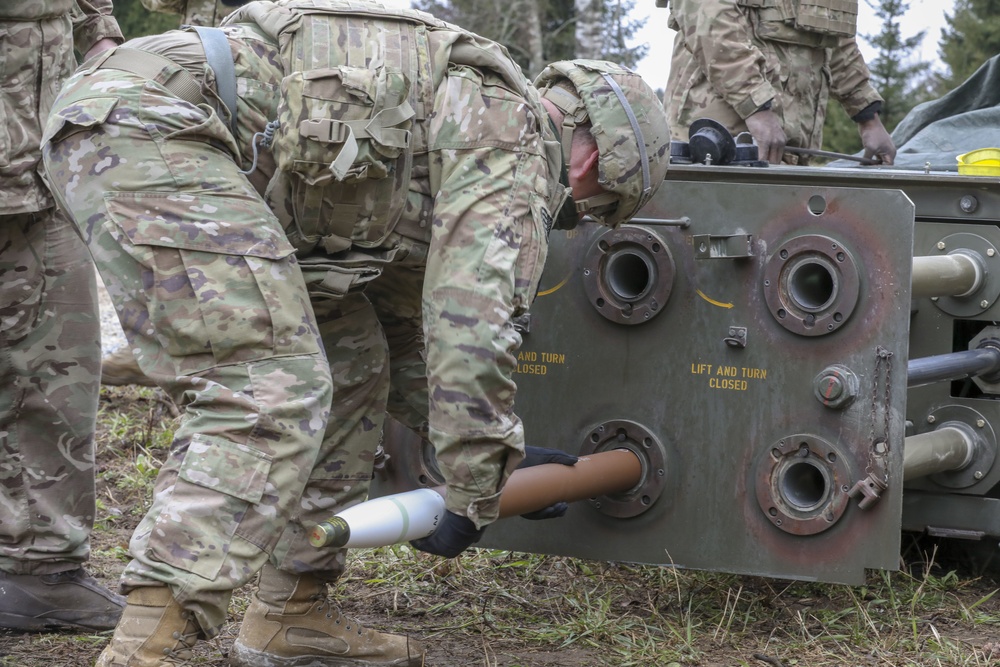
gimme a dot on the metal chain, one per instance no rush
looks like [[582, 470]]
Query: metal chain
[[875, 457]]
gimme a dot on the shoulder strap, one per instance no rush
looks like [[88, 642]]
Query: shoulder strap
[[220, 59]]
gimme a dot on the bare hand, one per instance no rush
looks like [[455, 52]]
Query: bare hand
[[877, 142], [765, 126], [100, 47]]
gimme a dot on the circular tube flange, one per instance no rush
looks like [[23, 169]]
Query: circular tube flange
[[625, 434], [811, 285], [628, 273], [981, 431], [802, 484], [983, 252]]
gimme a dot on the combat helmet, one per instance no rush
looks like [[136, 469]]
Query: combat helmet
[[627, 121]]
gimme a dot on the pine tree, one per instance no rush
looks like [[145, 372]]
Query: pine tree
[[898, 77], [971, 38], [902, 81]]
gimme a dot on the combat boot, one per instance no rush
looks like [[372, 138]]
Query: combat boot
[[290, 623], [154, 631], [70, 600], [120, 368]]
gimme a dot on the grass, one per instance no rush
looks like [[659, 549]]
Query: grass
[[493, 607]]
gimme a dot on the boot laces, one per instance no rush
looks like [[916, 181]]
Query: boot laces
[[182, 654], [337, 617]]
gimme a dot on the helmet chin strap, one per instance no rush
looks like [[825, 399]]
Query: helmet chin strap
[[640, 142], [574, 114]]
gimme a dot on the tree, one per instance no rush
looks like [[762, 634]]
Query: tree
[[137, 21], [898, 77], [972, 37], [902, 81], [537, 32]]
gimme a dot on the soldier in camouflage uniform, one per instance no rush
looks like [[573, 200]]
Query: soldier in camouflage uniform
[[769, 67], [50, 336], [367, 251]]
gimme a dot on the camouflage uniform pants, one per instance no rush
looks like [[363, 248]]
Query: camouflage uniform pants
[[50, 356], [215, 308]]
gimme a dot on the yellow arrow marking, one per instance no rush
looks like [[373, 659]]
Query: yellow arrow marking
[[713, 301], [553, 289]]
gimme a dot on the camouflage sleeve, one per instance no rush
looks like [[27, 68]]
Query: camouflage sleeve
[[717, 34], [95, 24], [491, 181], [850, 78]]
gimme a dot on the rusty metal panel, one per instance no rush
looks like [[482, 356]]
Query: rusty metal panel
[[761, 386], [749, 342]]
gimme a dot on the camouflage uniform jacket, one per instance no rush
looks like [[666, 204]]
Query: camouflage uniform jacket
[[36, 60], [481, 144], [737, 55]]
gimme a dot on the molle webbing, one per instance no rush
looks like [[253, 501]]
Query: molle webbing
[[349, 101], [836, 17], [820, 17], [156, 68]]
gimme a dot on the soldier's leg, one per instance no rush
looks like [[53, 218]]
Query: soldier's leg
[[49, 369], [397, 298], [290, 597], [359, 365], [215, 307]]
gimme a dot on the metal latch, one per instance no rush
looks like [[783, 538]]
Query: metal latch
[[707, 246]]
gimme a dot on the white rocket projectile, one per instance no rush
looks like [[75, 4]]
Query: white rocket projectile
[[410, 515], [393, 519]]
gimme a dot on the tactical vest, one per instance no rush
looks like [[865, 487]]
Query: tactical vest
[[359, 83], [818, 23]]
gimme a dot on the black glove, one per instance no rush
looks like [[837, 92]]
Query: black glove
[[534, 456], [453, 535]]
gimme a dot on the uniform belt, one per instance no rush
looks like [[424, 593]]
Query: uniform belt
[[156, 68]]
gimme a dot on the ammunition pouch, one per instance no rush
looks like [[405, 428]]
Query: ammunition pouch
[[342, 148], [814, 23]]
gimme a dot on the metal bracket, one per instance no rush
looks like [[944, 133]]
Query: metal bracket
[[735, 246]]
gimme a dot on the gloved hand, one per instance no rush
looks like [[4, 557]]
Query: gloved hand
[[534, 456], [453, 535]]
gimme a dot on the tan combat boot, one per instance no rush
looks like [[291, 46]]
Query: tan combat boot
[[120, 368], [154, 631], [290, 623]]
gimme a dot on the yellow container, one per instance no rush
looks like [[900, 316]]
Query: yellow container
[[981, 162]]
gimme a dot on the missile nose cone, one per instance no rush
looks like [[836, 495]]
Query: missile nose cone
[[335, 532]]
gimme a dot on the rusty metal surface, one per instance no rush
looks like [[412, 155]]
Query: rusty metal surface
[[716, 379], [840, 391]]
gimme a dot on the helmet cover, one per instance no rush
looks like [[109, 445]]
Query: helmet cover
[[629, 125]]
